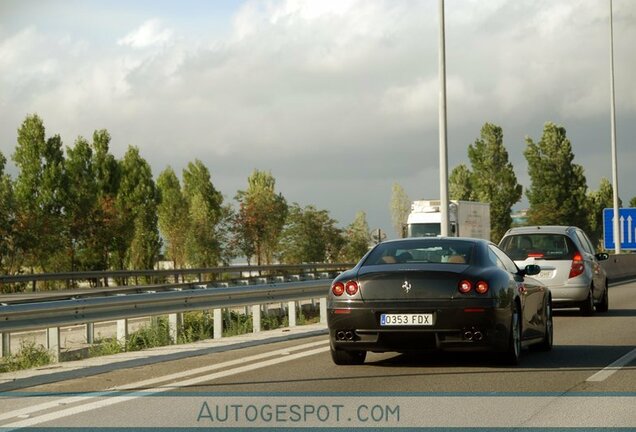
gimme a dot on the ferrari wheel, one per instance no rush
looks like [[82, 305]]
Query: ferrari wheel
[[546, 343], [513, 354]]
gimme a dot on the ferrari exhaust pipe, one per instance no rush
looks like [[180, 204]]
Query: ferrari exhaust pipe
[[340, 335], [349, 335], [468, 335], [478, 336]]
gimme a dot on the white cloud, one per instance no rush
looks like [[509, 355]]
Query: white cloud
[[310, 89], [150, 33]]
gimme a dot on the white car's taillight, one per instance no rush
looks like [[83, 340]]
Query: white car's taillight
[[578, 266]]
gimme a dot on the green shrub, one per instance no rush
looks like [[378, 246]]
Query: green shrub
[[106, 346], [236, 323], [157, 334], [311, 316], [30, 356], [271, 322], [196, 326]]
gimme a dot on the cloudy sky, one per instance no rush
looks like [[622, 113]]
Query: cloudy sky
[[338, 99]]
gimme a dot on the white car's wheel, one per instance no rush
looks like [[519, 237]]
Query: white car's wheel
[[587, 307], [603, 306]]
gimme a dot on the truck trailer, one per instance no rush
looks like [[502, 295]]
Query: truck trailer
[[466, 219]]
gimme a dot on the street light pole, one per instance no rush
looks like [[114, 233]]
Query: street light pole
[[443, 147], [617, 226]]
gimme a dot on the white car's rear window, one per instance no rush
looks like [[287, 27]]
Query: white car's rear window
[[539, 246]]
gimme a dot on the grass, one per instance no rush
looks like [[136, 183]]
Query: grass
[[154, 335], [196, 326], [29, 356], [104, 347], [236, 323]]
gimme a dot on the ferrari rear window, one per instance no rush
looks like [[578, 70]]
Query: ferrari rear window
[[539, 246], [424, 251]]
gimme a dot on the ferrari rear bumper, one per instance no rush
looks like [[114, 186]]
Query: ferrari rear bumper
[[476, 325]]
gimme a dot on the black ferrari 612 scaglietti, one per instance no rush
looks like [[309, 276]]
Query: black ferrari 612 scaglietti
[[437, 293]]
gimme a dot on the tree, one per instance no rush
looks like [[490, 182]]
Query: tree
[[225, 236], [105, 165], [400, 209], [81, 207], [261, 217], [598, 200], [632, 202], [243, 229], [110, 229], [459, 183], [333, 238], [40, 189], [493, 178], [557, 194], [173, 216], [310, 235], [357, 239], [136, 204], [8, 256], [203, 246]]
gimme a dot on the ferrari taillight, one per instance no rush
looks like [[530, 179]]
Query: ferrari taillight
[[338, 289], [351, 287], [578, 266], [465, 286], [481, 287]]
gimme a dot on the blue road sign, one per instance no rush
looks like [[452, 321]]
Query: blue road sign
[[627, 223]]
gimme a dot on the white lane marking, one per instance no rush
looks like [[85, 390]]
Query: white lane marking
[[193, 381], [152, 381], [610, 370]]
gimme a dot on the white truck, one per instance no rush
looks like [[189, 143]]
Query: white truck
[[467, 219]]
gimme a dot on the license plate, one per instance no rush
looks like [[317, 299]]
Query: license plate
[[544, 274], [406, 319]]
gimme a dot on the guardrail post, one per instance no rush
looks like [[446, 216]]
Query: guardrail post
[[53, 342], [5, 347], [218, 324], [256, 318], [323, 310], [292, 313], [175, 320], [122, 330], [90, 333]]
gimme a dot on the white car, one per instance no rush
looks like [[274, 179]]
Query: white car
[[569, 265]]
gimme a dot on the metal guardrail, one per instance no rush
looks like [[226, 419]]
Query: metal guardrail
[[72, 307], [29, 316], [198, 272], [77, 293]]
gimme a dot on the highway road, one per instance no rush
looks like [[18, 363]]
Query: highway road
[[587, 380]]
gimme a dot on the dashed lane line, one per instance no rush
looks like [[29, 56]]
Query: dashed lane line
[[153, 381], [610, 370], [189, 382]]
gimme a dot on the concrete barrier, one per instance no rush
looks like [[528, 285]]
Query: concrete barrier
[[619, 267]]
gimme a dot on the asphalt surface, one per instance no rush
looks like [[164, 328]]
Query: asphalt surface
[[587, 380]]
